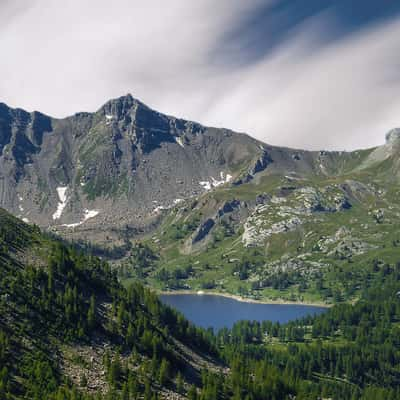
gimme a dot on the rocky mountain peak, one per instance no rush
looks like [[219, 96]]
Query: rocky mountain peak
[[130, 112], [393, 136], [127, 105], [119, 107]]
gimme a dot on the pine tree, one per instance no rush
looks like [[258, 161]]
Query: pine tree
[[91, 315], [192, 393], [115, 371], [163, 375], [179, 383]]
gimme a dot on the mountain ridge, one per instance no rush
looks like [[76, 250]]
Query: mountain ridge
[[105, 150]]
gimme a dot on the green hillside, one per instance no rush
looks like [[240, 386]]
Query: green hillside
[[67, 326], [70, 330], [313, 239]]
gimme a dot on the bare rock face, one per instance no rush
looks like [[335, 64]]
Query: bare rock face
[[393, 136], [203, 230], [259, 165], [118, 166]]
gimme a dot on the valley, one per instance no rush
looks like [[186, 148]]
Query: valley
[[69, 330], [102, 212]]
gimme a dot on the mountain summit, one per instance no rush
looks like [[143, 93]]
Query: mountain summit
[[393, 136]]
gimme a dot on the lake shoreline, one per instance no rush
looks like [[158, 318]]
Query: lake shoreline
[[243, 299]]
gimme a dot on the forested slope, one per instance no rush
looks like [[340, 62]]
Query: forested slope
[[67, 324], [70, 330]]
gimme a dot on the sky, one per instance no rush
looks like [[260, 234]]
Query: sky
[[313, 74]]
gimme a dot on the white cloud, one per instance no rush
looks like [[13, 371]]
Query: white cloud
[[63, 57], [340, 96]]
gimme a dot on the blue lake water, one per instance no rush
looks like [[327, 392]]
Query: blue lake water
[[218, 311]]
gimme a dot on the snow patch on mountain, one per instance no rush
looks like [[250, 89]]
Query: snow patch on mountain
[[87, 215], [213, 183], [179, 141], [62, 195], [206, 185]]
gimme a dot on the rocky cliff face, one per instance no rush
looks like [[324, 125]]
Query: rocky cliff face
[[122, 164]]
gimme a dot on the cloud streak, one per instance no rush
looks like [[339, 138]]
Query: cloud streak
[[304, 92]]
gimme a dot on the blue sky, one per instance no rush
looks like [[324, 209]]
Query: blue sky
[[271, 23], [301, 73]]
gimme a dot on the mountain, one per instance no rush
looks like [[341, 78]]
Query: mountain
[[113, 168], [184, 206], [118, 167], [67, 325]]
